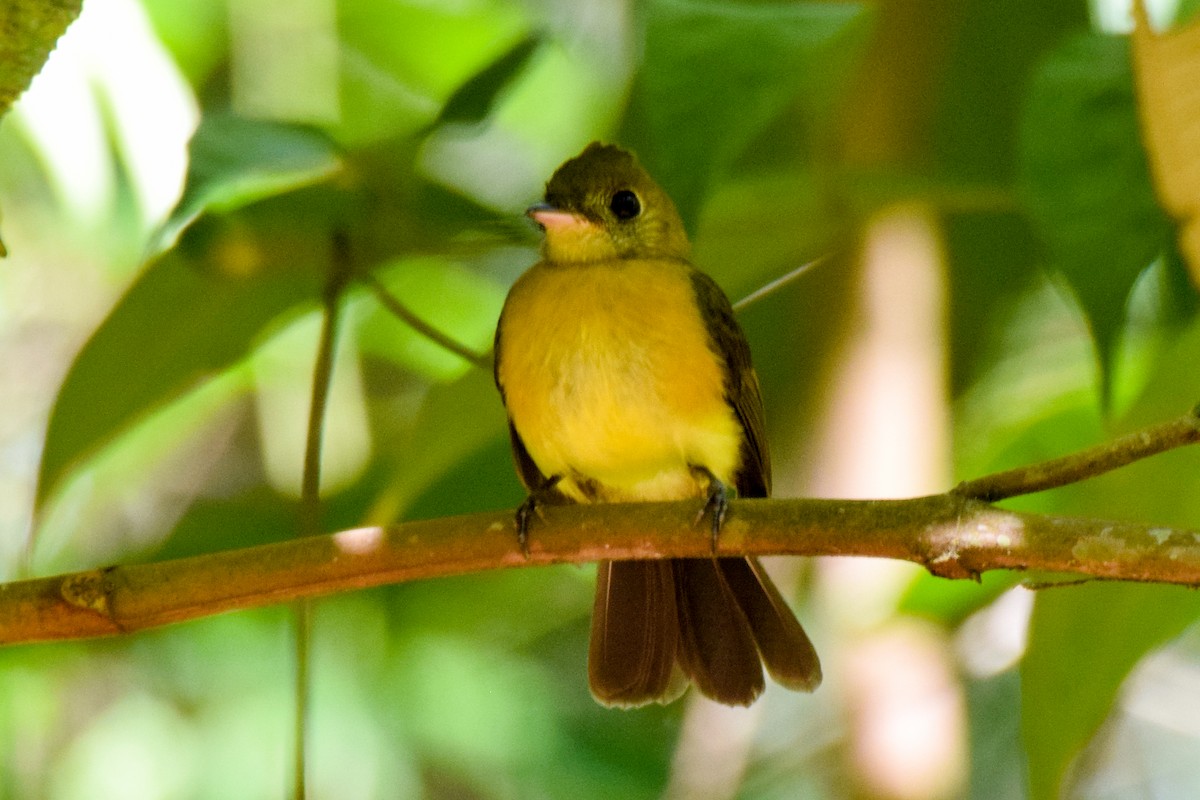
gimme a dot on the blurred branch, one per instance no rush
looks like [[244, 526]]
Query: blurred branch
[[403, 312], [309, 516], [954, 535]]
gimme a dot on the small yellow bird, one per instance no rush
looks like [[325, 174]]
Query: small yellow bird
[[627, 378]]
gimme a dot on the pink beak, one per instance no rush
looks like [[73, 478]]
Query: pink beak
[[551, 218]]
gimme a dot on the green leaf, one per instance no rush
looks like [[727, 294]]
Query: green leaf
[[951, 602], [234, 162], [454, 421], [1083, 640], [196, 32], [1086, 178], [400, 62], [736, 68], [473, 101], [175, 327]]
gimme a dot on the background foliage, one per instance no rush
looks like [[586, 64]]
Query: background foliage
[[1003, 287]]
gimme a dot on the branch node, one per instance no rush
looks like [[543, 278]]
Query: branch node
[[89, 590]]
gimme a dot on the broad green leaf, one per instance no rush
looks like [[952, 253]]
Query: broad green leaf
[[997, 46], [401, 61], [736, 68], [234, 162], [1086, 178], [197, 309], [1083, 640], [126, 500], [473, 100], [196, 32], [178, 325], [951, 602], [993, 261]]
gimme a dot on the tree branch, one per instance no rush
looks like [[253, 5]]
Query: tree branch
[[952, 536], [955, 535]]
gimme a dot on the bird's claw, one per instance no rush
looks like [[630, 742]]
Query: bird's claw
[[717, 504], [532, 506], [524, 511]]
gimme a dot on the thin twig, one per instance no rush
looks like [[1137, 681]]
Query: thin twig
[[402, 311], [777, 284], [1086, 463]]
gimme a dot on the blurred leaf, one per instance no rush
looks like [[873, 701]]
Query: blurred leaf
[[732, 65], [1083, 640], [993, 259], [1086, 178], [994, 726], [951, 602], [455, 420], [131, 494], [996, 47], [174, 328], [401, 61], [236, 161], [473, 101], [196, 33]]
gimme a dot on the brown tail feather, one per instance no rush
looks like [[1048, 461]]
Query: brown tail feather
[[716, 618], [634, 634], [716, 646], [785, 648]]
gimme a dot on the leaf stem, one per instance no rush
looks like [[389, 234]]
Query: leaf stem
[[393, 304]]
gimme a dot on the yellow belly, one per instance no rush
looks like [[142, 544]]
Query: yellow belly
[[610, 381]]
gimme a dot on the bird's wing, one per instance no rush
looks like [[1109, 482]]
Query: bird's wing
[[741, 385]]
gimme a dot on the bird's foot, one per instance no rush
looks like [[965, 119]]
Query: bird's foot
[[717, 504], [531, 506]]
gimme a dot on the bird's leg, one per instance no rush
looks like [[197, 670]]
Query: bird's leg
[[716, 504], [539, 496]]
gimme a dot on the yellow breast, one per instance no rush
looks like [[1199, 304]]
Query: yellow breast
[[609, 379]]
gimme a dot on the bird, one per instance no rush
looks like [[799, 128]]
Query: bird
[[626, 378]]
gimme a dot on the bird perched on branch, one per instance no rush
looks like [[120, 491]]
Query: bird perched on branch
[[626, 378]]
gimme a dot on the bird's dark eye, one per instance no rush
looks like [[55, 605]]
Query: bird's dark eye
[[625, 205]]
